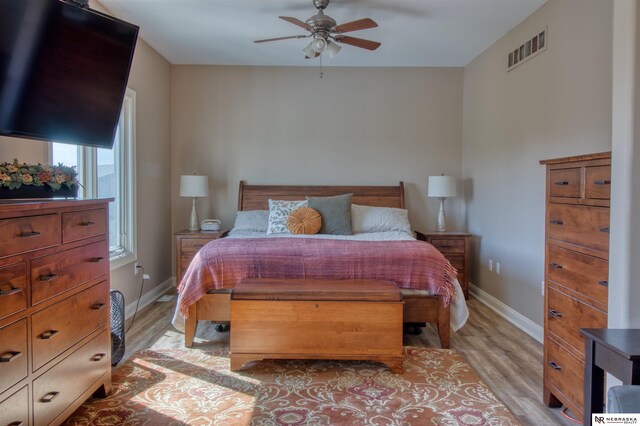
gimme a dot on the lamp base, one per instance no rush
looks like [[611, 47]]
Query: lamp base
[[441, 226], [194, 223]]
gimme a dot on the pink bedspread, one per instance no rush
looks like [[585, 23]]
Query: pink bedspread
[[222, 263]]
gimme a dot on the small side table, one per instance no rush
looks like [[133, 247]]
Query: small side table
[[188, 243], [616, 351], [455, 248]]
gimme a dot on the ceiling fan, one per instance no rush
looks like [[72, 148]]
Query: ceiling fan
[[327, 33]]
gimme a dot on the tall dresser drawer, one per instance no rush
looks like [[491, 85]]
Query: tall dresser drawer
[[25, 234], [584, 274], [13, 354], [83, 224], [565, 372], [564, 183], [13, 289], [53, 392], [580, 225], [59, 326], [56, 273], [15, 409], [567, 315], [598, 182]]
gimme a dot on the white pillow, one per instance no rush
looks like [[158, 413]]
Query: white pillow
[[279, 211], [379, 219], [251, 221]]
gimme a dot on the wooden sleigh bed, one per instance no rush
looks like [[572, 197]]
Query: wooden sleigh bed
[[418, 308]]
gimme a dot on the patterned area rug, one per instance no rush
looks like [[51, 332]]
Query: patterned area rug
[[194, 387]]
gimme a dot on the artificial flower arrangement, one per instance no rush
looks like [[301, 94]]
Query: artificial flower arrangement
[[15, 175]]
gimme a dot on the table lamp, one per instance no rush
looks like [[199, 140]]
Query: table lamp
[[441, 187], [194, 186]]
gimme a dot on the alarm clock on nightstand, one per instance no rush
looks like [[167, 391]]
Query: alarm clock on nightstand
[[210, 225]]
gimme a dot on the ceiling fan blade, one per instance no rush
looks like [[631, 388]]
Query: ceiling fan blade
[[296, 21], [358, 42], [280, 38], [360, 24]]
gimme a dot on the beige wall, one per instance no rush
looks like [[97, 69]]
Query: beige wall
[[554, 105], [272, 125]]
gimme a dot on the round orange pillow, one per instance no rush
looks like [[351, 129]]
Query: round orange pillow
[[304, 220]]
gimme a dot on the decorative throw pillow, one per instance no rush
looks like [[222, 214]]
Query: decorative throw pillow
[[335, 212], [251, 221], [379, 219], [279, 211], [304, 220]]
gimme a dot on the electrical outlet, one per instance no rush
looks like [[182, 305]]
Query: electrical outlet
[[145, 276], [135, 268], [542, 289], [498, 268], [490, 265]]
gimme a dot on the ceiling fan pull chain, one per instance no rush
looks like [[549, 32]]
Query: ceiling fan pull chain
[[321, 72]]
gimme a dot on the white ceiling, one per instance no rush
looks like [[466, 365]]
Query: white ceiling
[[421, 33]]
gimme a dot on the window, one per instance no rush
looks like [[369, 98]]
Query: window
[[110, 173]]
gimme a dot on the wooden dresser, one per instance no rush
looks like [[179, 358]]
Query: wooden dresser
[[576, 270], [54, 308]]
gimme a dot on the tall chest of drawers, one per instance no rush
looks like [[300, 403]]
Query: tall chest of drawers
[[54, 308], [576, 270]]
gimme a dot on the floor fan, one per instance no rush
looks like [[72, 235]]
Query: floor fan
[[117, 326]]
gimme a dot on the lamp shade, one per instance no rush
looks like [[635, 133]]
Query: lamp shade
[[194, 186], [442, 186]]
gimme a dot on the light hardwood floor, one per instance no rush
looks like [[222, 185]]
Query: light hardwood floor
[[507, 359]]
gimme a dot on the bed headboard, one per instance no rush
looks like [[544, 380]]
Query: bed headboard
[[256, 197]]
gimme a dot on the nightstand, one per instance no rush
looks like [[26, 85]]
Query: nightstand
[[188, 243], [455, 247]]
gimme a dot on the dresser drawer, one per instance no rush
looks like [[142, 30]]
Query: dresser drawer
[[598, 182], [565, 372], [15, 409], [581, 273], [25, 234], [192, 245], [564, 183], [59, 387], [59, 272], [446, 245], [60, 326], [83, 224], [580, 225], [567, 315], [13, 354], [13, 289]]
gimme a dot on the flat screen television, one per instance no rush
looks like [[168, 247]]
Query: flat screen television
[[63, 71]]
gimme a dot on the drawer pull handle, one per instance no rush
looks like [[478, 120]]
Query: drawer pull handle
[[198, 245], [10, 356], [87, 223], [96, 259], [556, 222], [604, 283], [554, 365], [562, 182], [48, 277], [48, 334], [12, 291], [97, 306], [16, 423], [98, 357], [49, 397], [29, 234], [605, 230], [555, 266], [602, 182], [555, 313]]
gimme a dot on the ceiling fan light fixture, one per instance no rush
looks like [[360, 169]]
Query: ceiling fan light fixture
[[318, 45], [332, 48], [308, 50]]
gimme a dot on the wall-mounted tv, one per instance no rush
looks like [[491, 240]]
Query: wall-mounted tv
[[63, 71]]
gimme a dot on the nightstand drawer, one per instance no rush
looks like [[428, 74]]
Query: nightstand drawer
[[13, 289], [193, 245], [448, 245], [457, 261], [13, 353]]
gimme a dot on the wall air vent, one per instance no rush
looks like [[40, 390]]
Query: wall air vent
[[532, 47]]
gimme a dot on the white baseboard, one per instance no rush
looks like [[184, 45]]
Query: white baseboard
[[149, 297], [511, 315]]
